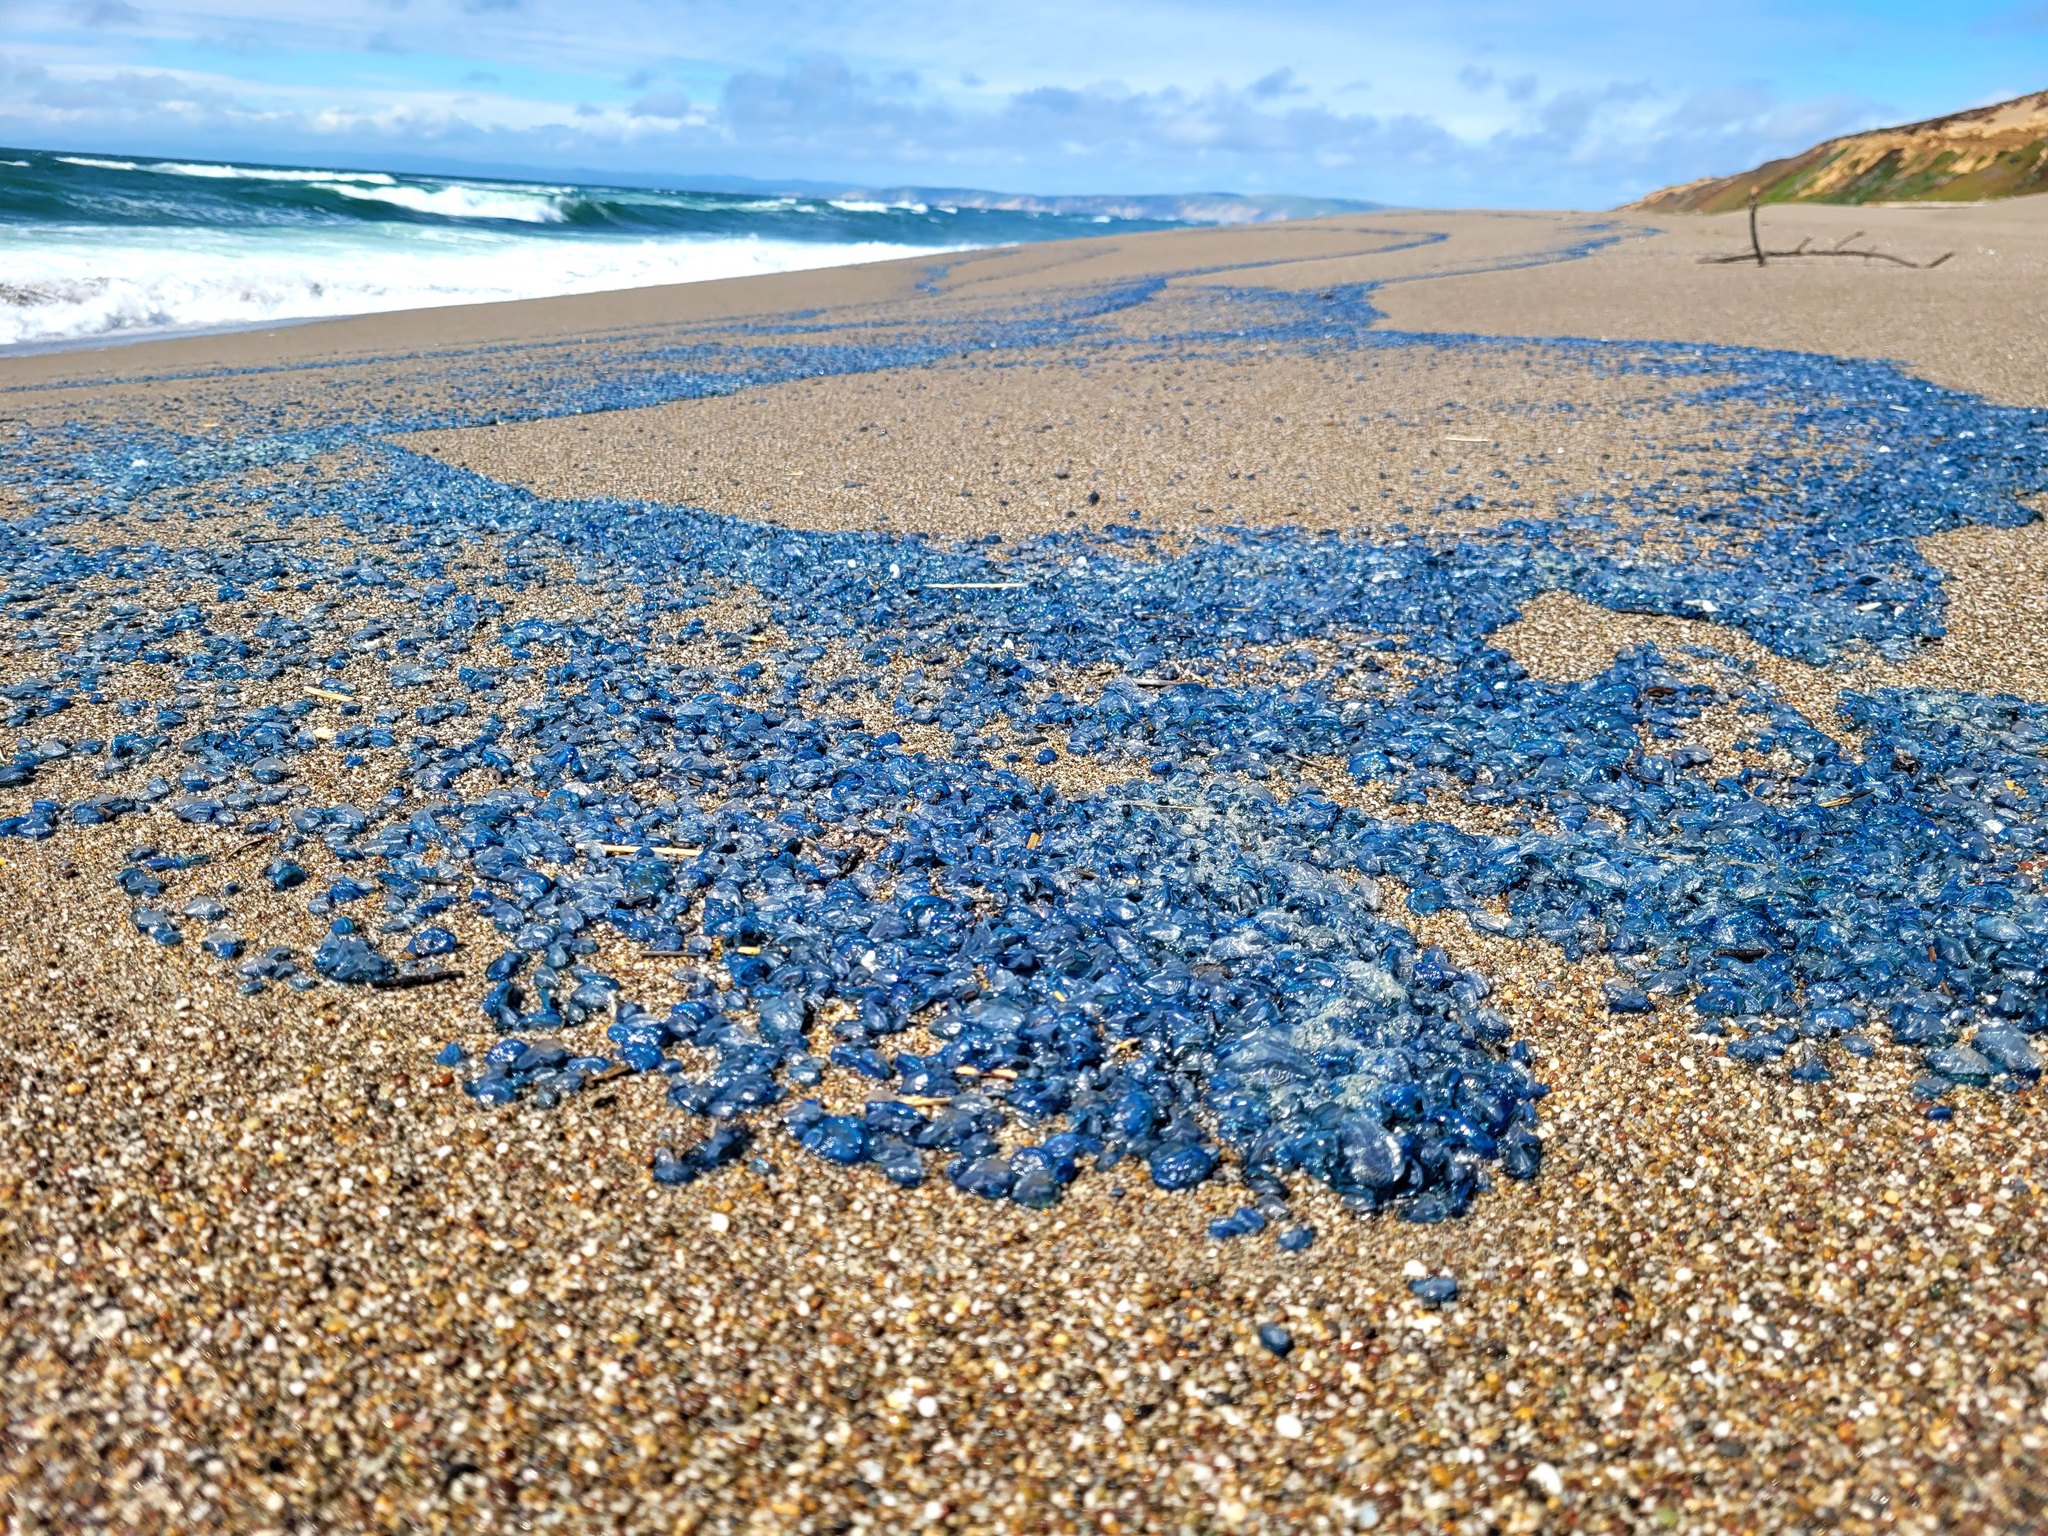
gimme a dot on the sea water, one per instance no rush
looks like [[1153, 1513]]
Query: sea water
[[95, 245]]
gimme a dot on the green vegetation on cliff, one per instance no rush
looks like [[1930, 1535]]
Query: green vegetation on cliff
[[1998, 151]]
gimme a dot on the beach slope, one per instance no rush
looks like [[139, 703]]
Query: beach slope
[[1421, 733]]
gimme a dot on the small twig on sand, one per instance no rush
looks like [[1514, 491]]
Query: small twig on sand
[[407, 979], [258, 843]]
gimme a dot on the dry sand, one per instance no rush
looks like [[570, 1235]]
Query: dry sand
[[266, 1269], [1979, 322], [1333, 441]]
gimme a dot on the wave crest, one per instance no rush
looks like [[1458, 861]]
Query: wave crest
[[463, 202], [208, 172]]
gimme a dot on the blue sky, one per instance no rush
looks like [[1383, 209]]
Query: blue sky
[[1457, 102]]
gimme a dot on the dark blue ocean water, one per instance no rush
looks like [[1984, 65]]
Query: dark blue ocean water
[[94, 245]]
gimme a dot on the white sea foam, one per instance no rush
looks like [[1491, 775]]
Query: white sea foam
[[60, 284], [861, 205], [99, 165]]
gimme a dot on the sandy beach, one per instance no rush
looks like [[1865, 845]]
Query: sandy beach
[[1297, 571]]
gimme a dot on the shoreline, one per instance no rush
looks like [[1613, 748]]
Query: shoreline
[[140, 337], [108, 340]]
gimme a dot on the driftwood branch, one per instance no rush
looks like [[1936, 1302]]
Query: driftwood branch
[[1841, 247], [1897, 261]]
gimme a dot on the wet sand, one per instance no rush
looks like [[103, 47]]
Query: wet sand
[[267, 1269]]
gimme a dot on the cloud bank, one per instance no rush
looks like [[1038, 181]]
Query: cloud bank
[[395, 82]]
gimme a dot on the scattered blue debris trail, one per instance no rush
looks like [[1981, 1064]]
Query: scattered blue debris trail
[[935, 961]]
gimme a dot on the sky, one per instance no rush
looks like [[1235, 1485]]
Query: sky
[[1529, 103]]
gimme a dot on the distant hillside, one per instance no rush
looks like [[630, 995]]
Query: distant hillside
[[1164, 207], [1999, 151], [1180, 207]]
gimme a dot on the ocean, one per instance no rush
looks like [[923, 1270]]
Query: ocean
[[116, 246]]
